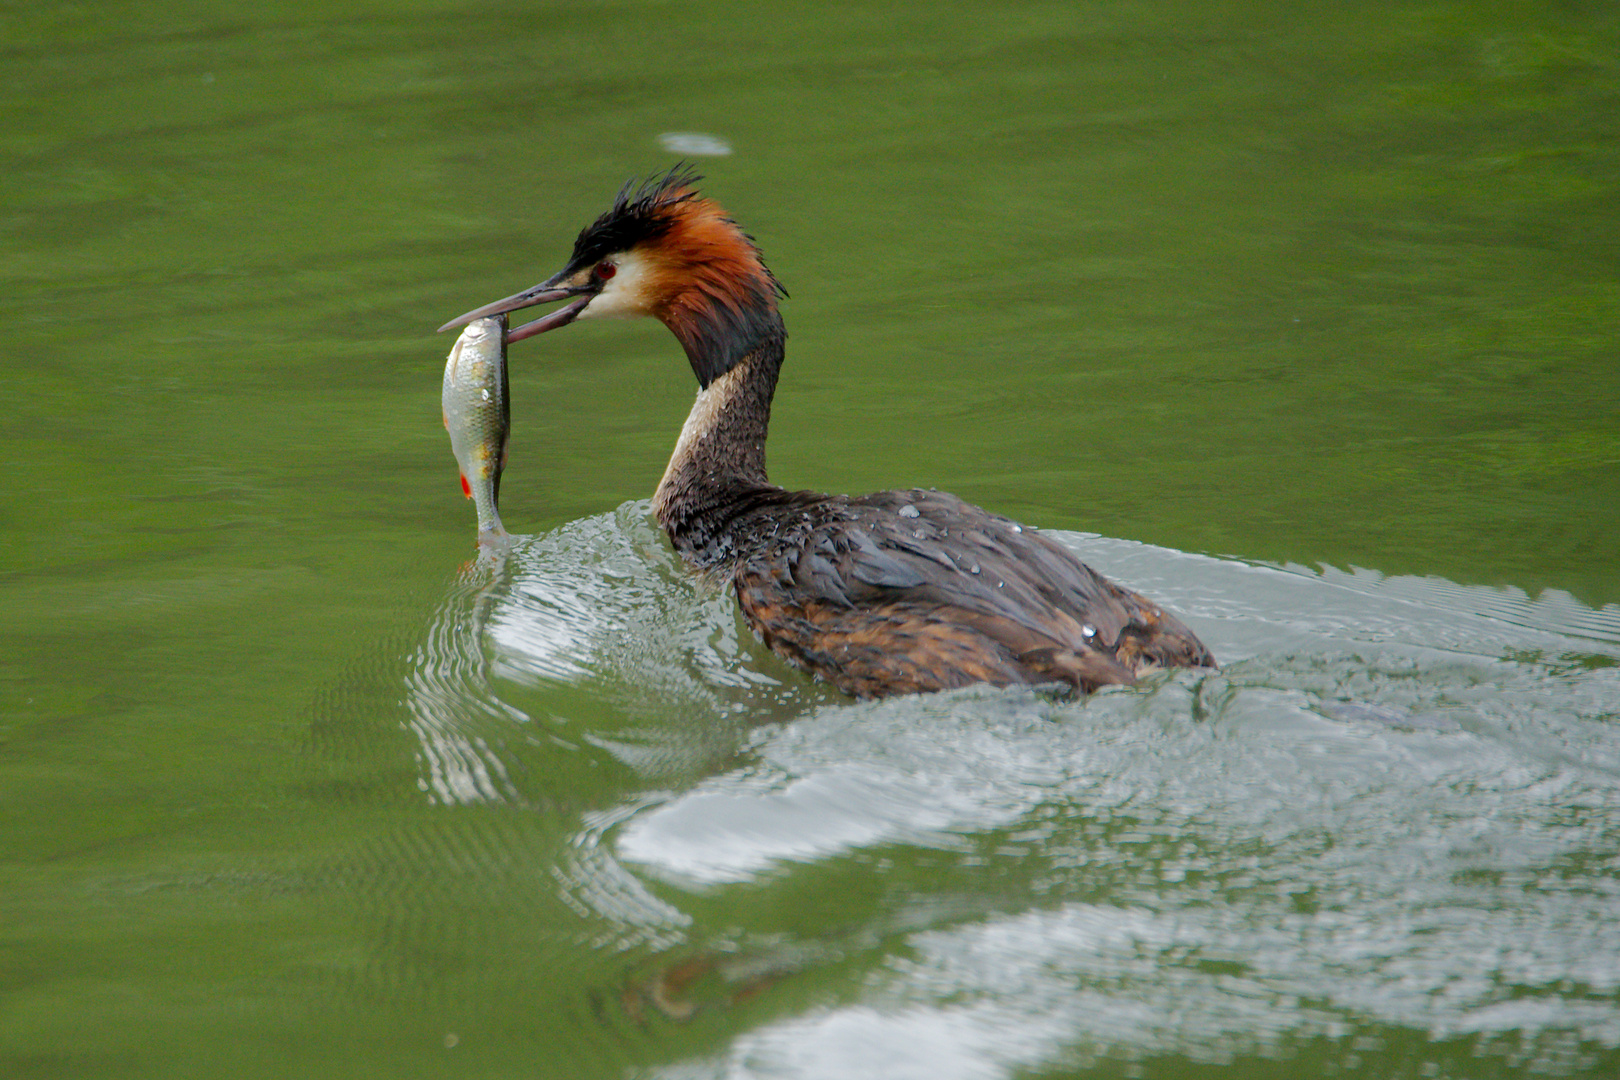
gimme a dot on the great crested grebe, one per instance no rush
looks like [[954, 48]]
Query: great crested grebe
[[892, 593]]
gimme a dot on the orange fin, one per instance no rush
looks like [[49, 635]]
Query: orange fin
[[466, 488]]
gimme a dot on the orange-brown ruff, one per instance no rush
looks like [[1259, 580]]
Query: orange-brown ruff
[[892, 593]]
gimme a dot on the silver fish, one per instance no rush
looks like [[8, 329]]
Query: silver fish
[[478, 415]]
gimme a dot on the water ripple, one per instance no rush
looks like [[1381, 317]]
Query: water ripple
[[1394, 814]]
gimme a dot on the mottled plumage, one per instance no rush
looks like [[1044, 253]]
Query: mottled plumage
[[904, 591]]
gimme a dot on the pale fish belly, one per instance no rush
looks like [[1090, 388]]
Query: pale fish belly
[[477, 414]]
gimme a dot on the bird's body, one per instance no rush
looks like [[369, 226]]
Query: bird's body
[[895, 592]]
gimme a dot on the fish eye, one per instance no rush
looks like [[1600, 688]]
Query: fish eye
[[604, 270]]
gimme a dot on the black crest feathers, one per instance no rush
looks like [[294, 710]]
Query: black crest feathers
[[640, 213]]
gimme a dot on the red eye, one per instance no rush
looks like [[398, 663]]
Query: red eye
[[605, 270]]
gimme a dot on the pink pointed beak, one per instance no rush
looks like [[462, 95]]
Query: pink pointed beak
[[544, 293]]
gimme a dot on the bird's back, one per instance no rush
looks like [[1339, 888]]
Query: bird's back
[[907, 591]]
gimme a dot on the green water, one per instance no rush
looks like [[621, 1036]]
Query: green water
[[1303, 321]]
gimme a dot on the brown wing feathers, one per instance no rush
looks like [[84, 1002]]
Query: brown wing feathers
[[910, 591]]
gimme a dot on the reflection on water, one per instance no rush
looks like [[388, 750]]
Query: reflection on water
[[1386, 822], [694, 144], [449, 689]]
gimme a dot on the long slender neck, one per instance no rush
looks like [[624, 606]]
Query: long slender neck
[[718, 467]]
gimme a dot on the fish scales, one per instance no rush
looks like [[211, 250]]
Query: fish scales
[[478, 415]]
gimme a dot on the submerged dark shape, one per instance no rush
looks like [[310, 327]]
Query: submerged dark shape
[[896, 592]]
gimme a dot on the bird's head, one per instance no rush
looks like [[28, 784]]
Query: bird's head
[[666, 251]]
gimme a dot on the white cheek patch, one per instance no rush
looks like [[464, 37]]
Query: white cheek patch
[[625, 294]]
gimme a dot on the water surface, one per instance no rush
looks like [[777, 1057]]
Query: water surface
[[1303, 324]]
